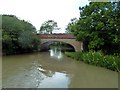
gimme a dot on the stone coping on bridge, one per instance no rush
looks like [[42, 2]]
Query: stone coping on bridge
[[57, 36]]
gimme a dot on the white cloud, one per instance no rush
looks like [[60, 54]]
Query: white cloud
[[38, 11]]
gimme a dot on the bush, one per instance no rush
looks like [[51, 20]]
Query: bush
[[97, 58]]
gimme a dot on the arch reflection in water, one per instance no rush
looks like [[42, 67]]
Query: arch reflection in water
[[56, 53], [57, 80]]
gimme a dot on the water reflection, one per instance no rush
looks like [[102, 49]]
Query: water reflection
[[49, 79], [56, 53], [57, 80], [39, 70], [33, 74]]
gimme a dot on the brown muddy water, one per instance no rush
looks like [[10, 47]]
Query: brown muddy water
[[53, 69]]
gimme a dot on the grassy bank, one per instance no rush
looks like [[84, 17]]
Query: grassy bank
[[97, 58]]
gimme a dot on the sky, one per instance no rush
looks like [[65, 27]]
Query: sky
[[39, 11]]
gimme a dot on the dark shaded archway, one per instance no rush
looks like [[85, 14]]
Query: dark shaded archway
[[64, 46], [77, 45]]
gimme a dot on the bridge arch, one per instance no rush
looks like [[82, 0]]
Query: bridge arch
[[76, 45], [66, 38]]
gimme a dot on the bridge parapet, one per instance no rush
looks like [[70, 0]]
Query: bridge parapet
[[56, 36]]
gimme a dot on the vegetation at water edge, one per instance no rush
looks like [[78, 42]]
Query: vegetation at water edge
[[97, 58], [98, 28]]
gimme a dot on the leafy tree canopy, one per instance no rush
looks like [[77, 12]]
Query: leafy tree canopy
[[48, 27], [98, 26], [17, 35]]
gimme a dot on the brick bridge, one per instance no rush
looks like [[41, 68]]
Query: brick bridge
[[66, 38]]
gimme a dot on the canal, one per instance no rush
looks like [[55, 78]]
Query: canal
[[53, 69]]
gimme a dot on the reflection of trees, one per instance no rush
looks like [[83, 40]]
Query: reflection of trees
[[56, 52], [46, 73], [41, 75], [49, 73]]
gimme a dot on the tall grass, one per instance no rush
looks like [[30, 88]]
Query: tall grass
[[97, 58]]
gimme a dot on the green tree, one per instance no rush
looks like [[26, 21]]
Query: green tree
[[71, 25], [14, 34], [28, 40], [48, 27], [98, 26]]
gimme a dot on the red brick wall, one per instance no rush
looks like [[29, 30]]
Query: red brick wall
[[64, 36]]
